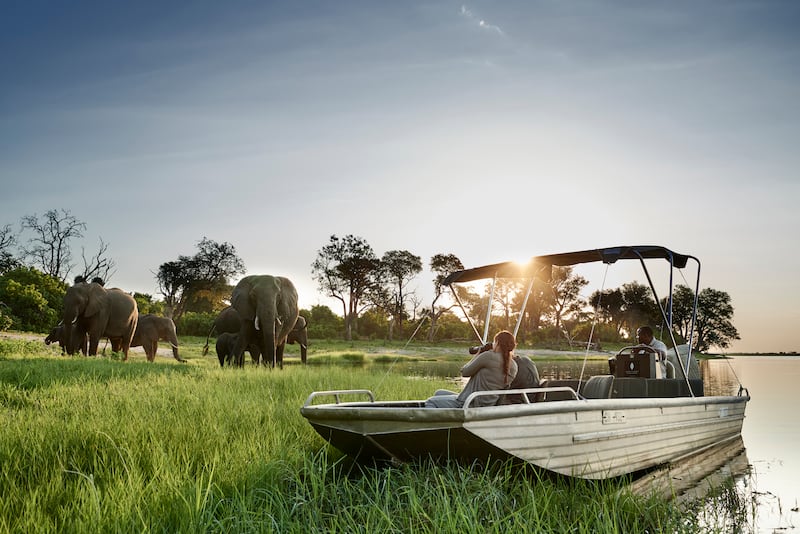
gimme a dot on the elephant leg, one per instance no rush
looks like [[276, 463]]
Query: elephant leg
[[279, 354], [94, 341], [241, 345]]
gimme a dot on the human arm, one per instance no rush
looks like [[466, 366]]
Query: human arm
[[477, 363]]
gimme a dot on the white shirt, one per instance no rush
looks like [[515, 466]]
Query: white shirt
[[662, 360]]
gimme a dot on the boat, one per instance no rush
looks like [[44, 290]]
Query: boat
[[628, 421]]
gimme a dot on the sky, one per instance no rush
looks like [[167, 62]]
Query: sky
[[490, 130]]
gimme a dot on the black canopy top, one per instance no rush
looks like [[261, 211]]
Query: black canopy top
[[542, 265]]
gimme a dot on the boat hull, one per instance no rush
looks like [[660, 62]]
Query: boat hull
[[593, 439]]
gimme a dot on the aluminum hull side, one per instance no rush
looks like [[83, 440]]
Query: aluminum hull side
[[583, 438]]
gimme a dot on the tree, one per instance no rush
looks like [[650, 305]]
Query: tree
[[682, 310], [98, 265], [566, 288], [210, 269], [146, 304], [639, 307], [31, 298], [347, 269], [49, 247], [609, 305], [322, 322], [7, 242], [399, 268], [442, 265], [714, 314]]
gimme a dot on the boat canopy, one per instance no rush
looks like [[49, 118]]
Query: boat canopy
[[540, 266]]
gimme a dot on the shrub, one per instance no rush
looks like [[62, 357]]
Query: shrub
[[195, 324]]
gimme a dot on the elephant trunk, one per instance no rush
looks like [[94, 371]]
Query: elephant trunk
[[265, 321], [69, 326]]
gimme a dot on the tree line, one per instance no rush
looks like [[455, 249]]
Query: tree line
[[375, 293]]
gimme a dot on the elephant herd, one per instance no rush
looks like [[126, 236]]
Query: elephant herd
[[262, 318]]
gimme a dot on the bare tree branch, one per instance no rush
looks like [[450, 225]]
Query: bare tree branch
[[99, 265], [48, 248]]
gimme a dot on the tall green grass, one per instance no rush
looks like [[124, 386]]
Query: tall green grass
[[98, 445]]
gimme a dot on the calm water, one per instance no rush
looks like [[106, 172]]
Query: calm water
[[771, 430], [771, 433]]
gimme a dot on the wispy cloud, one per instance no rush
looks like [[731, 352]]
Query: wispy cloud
[[467, 13]]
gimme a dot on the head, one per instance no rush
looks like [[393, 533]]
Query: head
[[644, 335], [504, 343]]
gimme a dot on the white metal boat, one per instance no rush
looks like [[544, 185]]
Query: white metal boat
[[606, 426]]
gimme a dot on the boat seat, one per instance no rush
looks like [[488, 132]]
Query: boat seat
[[654, 388], [629, 388], [674, 387], [558, 395], [598, 387]]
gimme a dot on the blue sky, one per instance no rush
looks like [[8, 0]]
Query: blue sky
[[490, 130]]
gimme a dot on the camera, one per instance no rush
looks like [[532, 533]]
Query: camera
[[480, 348]]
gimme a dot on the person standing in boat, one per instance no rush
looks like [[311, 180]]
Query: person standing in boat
[[645, 337], [491, 369]]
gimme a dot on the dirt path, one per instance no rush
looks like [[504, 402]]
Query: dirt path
[[165, 352]]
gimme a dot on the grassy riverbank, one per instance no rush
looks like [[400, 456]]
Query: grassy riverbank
[[97, 445]]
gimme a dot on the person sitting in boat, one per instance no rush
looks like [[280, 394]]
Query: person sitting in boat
[[492, 369], [527, 377], [644, 335]]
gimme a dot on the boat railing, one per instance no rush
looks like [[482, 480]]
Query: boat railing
[[337, 395], [522, 393]]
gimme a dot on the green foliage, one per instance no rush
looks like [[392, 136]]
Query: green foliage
[[448, 326], [33, 299], [146, 304], [5, 320], [195, 324], [323, 323]]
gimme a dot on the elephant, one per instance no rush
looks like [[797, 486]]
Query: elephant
[[299, 335], [100, 312], [57, 336], [149, 330], [228, 322], [267, 307], [226, 348]]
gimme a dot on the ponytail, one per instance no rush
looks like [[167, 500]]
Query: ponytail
[[506, 343]]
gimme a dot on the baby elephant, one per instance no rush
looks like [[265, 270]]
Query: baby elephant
[[57, 336], [150, 329], [226, 347]]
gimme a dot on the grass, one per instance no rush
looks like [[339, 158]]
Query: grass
[[98, 445]]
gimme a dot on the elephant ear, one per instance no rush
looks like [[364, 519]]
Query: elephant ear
[[300, 323], [95, 301]]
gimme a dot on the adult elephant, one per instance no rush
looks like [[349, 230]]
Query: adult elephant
[[267, 307], [149, 330], [228, 322], [299, 335], [100, 312]]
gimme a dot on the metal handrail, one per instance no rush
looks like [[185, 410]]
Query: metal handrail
[[337, 393], [504, 392]]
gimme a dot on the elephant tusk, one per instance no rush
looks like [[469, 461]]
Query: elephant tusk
[[75, 320], [278, 320], [255, 323]]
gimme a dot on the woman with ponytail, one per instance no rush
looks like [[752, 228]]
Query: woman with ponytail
[[490, 370]]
